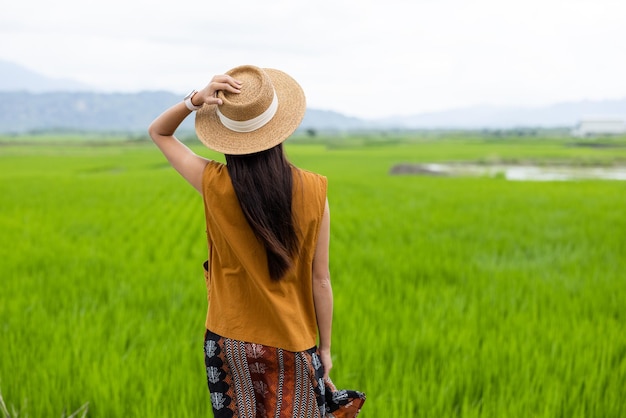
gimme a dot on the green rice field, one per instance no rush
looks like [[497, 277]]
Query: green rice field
[[454, 296]]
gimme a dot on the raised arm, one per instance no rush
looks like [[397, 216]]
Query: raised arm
[[323, 292], [161, 130]]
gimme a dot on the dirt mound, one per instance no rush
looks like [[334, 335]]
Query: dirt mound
[[416, 170]]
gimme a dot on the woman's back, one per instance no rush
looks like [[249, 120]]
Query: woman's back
[[280, 313]]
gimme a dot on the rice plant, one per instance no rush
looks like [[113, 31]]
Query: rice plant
[[454, 297]]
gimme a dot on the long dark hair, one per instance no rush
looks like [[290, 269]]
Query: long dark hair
[[263, 184]]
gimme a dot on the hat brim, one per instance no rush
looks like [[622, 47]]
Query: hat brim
[[291, 109]]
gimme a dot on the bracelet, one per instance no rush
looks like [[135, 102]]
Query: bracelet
[[189, 103]]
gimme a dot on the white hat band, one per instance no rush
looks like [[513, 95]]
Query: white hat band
[[250, 124]]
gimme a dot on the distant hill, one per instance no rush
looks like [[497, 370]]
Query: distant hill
[[68, 105], [32, 102], [22, 112], [116, 112], [502, 117]]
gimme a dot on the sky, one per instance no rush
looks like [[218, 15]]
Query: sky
[[363, 58]]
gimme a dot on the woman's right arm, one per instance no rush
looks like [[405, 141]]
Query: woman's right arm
[[323, 292], [162, 129]]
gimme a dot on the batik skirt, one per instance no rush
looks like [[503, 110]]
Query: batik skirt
[[255, 381]]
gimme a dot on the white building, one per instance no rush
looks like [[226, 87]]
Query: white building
[[592, 126]]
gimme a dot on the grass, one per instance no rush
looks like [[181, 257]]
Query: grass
[[455, 297], [13, 413]]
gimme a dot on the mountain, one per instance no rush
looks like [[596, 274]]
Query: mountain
[[331, 121], [77, 111], [32, 102], [22, 112], [566, 114], [68, 105], [14, 77]]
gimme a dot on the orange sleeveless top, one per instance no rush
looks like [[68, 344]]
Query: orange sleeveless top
[[244, 302]]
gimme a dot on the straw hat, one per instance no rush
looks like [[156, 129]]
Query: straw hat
[[269, 108]]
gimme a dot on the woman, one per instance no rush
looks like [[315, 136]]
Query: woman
[[268, 228]]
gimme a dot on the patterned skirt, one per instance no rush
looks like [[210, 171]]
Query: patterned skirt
[[254, 381]]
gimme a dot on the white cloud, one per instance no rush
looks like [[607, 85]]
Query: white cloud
[[362, 58]]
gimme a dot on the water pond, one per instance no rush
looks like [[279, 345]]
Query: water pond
[[513, 172]]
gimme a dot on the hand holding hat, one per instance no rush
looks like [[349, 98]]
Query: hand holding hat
[[208, 95]]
